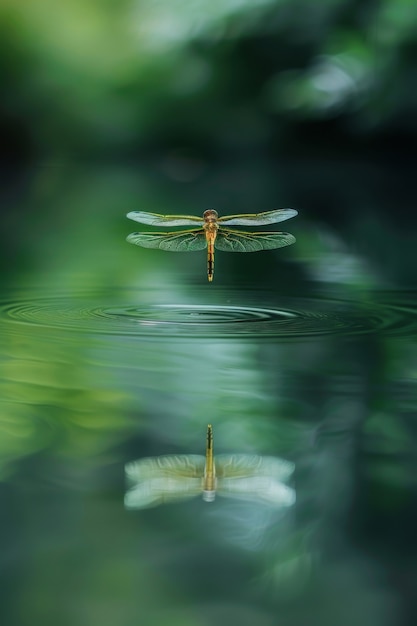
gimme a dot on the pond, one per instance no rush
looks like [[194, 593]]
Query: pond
[[112, 354]]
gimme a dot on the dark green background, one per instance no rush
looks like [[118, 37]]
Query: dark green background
[[175, 107]]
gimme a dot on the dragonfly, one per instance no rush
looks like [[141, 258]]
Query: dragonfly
[[164, 479], [212, 231]]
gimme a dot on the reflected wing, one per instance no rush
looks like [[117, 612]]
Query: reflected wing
[[257, 219], [156, 491], [163, 479], [257, 489], [255, 478], [239, 241], [242, 465], [154, 219], [181, 241]]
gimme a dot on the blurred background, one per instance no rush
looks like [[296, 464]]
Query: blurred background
[[176, 107], [244, 106]]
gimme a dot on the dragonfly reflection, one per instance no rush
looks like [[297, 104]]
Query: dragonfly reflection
[[164, 479], [210, 233]]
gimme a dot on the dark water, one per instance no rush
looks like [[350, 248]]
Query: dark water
[[94, 378]]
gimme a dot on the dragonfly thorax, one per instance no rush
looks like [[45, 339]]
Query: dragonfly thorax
[[210, 215]]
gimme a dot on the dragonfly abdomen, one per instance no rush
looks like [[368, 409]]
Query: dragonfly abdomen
[[211, 233], [210, 262]]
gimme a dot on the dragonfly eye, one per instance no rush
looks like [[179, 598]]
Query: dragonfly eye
[[210, 213]]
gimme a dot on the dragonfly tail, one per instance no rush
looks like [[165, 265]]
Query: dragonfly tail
[[210, 262]]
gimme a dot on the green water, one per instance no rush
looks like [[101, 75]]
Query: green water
[[111, 353]]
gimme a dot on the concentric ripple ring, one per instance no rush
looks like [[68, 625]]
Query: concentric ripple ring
[[293, 318]]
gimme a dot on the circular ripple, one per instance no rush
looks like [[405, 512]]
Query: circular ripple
[[294, 318]]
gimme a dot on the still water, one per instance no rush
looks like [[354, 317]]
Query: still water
[[110, 355]]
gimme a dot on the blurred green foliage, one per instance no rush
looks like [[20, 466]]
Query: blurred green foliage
[[234, 104], [112, 77]]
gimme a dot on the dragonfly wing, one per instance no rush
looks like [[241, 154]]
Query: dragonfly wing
[[258, 219], [242, 465], [154, 219], [258, 489], [163, 479], [156, 491], [257, 478], [181, 241], [175, 465], [239, 241]]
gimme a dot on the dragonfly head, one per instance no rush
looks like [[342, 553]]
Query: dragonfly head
[[210, 215], [209, 496]]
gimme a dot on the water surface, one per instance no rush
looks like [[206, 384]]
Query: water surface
[[94, 379]]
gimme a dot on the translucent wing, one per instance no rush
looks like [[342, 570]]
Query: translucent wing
[[154, 219], [257, 489], [239, 241], [175, 465], [163, 479], [257, 219], [238, 465], [255, 478], [181, 241]]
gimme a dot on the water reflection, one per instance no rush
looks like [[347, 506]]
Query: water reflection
[[81, 395], [166, 479]]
